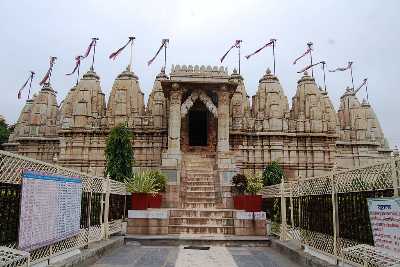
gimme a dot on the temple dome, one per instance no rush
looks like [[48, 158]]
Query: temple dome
[[88, 106], [240, 105], [126, 100], [270, 104], [157, 103], [311, 112]]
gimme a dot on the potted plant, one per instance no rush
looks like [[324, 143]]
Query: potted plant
[[239, 182], [155, 199], [253, 202], [140, 184]]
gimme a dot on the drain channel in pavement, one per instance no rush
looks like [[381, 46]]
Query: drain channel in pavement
[[197, 247]]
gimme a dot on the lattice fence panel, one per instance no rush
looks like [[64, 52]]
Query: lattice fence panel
[[365, 255], [12, 257], [369, 178], [115, 227], [94, 190], [319, 241]]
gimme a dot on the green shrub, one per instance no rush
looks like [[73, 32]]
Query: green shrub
[[254, 185], [141, 182], [160, 179], [272, 174], [119, 153], [239, 182]]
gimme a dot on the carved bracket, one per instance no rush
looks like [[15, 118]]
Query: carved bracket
[[203, 98]]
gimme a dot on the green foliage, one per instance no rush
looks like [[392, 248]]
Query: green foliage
[[119, 153], [160, 178], [239, 182], [272, 174], [141, 182], [254, 185], [4, 132]]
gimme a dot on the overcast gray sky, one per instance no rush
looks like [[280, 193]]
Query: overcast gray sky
[[367, 32]]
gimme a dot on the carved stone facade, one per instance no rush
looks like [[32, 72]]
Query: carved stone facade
[[306, 139]]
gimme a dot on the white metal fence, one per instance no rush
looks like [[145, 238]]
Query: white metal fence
[[96, 190], [329, 213]]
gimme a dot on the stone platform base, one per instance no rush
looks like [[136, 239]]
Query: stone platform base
[[160, 222], [200, 240]]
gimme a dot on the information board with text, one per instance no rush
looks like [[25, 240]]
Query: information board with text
[[385, 223], [50, 209]]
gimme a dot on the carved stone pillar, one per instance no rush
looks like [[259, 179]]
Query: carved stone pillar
[[174, 127], [223, 120]]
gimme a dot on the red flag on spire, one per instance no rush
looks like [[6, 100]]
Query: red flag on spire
[[30, 78], [77, 64], [258, 50], [164, 43], [48, 73], [236, 44], [91, 45], [114, 55], [308, 51], [311, 66], [343, 68]]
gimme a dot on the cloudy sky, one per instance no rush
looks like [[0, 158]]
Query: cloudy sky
[[364, 31]]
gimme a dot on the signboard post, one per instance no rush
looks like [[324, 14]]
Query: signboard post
[[50, 209], [385, 223]]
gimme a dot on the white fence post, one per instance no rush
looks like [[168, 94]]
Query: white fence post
[[107, 208], [335, 217], [283, 235], [395, 177], [291, 207]]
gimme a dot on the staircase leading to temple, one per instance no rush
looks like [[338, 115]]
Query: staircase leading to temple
[[199, 213]]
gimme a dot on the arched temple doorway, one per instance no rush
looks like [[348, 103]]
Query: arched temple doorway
[[199, 129]]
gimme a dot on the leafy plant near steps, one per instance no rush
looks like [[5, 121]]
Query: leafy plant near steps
[[239, 182], [142, 182], [160, 179], [254, 185]]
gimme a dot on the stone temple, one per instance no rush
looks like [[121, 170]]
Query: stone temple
[[201, 117]]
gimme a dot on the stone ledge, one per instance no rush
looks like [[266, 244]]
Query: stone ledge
[[90, 255], [294, 251]]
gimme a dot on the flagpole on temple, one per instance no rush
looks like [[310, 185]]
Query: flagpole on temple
[[309, 44], [77, 76], [351, 73], [95, 39], [323, 69], [273, 52], [131, 54], [165, 41], [53, 59], [239, 56]]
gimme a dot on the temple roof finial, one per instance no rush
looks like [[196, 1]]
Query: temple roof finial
[[268, 71]]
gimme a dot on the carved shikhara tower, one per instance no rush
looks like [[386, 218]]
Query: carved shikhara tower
[[202, 110]]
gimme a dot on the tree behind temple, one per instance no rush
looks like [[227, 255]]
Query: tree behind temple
[[4, 132], [272, 174], [119, 153]]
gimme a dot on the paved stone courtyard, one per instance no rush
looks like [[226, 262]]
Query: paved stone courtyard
[[168, 256]]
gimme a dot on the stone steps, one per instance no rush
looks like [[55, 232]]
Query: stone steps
[[205, 194], [201, 221], [208, 213], [196, 183], [198, 205], [200, 188], [201, 229], [200, 199]]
